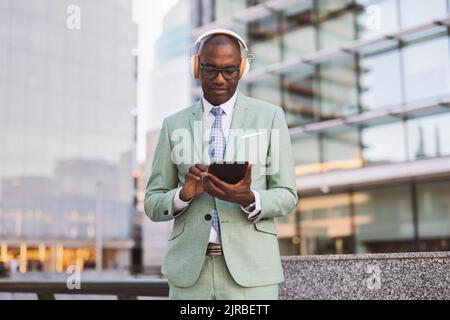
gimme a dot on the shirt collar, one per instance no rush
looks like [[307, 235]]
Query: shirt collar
[[226, 106]]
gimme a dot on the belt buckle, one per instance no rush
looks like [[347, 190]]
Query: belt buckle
[[214, 249]]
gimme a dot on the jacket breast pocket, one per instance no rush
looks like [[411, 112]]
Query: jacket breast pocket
[[177, 230], [266, 226]]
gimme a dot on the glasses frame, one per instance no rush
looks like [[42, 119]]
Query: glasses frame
[[235, 69]]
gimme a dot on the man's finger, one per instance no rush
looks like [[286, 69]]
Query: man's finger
[[195, 171], [214, 190], [193, 176], [248, 173], [205, 185], [219, 183], [201, 167]]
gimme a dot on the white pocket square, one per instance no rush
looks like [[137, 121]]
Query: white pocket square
[[251, 135]]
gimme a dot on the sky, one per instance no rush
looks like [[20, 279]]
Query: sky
[[148, 14]]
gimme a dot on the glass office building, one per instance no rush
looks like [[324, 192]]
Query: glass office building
[[67, 136], [365, 87]]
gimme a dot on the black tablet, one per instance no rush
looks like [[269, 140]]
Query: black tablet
[[230, 172]]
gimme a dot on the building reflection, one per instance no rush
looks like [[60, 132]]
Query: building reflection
[[50, 223], [67, 134]]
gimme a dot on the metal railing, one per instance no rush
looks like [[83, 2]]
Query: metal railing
[[124, 290]]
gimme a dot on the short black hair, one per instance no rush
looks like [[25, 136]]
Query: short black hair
[[221, 39]]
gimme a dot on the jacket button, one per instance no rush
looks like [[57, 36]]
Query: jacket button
[[207, 217]]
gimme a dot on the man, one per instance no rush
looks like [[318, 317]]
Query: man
[[224, 242]]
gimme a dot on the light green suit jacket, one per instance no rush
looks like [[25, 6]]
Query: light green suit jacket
[[250, 247]]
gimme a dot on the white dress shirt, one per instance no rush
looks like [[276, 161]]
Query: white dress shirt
[[178, 205]]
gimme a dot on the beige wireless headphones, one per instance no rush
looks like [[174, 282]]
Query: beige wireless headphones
[[244, 65]]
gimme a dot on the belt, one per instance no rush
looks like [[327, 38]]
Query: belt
[[214, 249]]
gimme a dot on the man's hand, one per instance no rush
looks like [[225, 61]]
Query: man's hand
[[239, 193], [193, 185]]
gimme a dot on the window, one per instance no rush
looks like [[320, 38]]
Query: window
[[338, 94], [384, 143], [267, 90], [433, 203], [380, 80], [266, 42], [328, 7], [377, 18], [427, 69], [226, 8], [325, 225], [298, 33], [383, 220], [341, 149], [428, 136], [286, 226], [336, 31], [300, 90], [306, 153], [299, 42], [414, 12]]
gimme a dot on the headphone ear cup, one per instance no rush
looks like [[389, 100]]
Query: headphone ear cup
[[244, 67], [191, 65], [195, 67]]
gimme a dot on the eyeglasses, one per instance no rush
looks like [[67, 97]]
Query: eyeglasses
[[212, 72]]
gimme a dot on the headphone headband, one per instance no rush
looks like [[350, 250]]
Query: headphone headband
[[221, 31]]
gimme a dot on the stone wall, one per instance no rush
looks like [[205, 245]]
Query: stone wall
[[367, 276]]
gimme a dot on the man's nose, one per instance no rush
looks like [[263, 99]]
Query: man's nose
[[219, 79]]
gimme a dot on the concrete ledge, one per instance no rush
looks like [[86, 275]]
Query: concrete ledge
[[367, 276]]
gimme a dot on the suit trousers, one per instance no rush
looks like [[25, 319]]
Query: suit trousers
[[216, 283]]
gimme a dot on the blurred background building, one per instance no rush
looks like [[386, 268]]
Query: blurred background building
[[67, 133], [365, 86]]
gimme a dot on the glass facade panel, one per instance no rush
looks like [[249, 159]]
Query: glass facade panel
[[427, 69], [381, 84], [226, 8], [377, 18], [338, 88], [341, 149], [434, 215], [327, 8], [428, 136], [301, 97], [325, 225], [414, 12], [267, 90], [384, 143], [287, 229], [337, 31], [298, 42], [266, 42], [306, 162], [384, 220], [299, 36]]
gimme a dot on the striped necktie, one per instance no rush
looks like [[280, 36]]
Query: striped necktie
[[217, 147]]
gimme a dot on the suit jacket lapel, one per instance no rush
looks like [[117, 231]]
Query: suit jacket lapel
[[196, 125], [239, 124]]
